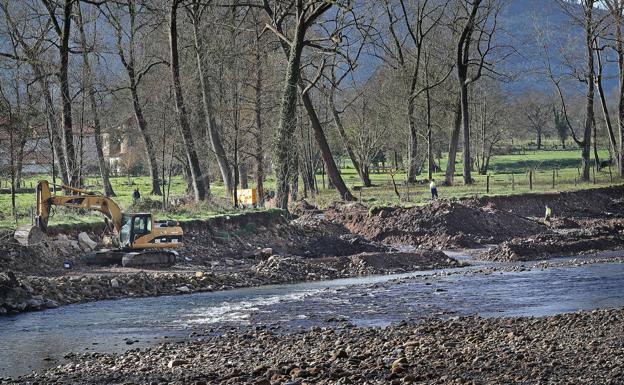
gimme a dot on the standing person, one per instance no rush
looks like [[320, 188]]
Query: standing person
[[434, 189], [136, 195]]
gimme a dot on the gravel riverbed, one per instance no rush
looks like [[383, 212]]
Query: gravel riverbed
[[575, 348]]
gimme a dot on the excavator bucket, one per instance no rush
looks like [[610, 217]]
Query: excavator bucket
[[28, 235], [43, 205]]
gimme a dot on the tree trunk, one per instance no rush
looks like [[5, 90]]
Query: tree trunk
[[149, 145], [466, 158], [454, 143], [605, 111], [285, 142], [12, 174], [199, 181], [589, 106], [595, 144], [19, 159], [347, 142], [539, 138], [619, 47], [330, 165], [55, 138], [242, 175], [66, 98], [430, 164], [211, 122], [97, 129], [294, 192], [259, 148], [412, 158]]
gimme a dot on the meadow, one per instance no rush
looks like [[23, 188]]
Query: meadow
[[508, 175]]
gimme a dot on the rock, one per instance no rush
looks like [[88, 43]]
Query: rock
[[114, 283], [75, 245], [86, 243], [340, 354], [176, 362], [183, 289]]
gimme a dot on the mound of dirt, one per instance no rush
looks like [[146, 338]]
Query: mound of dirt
[[360, 264], [591, 203], [247, 235], [45, 257], [548, 245], [441, 224]]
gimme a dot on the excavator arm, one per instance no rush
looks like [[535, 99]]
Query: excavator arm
[[82, 199], [142, 241]]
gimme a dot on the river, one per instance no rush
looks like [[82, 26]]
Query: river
[[39, 340]]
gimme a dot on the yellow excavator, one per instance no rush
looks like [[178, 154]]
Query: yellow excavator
[[143, 242]]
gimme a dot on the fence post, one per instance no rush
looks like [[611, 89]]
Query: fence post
[[553, 181], [513, 182], [487, 183], [594, 174], [530, 179]]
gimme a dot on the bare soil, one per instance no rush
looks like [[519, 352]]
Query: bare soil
[[583, 221]]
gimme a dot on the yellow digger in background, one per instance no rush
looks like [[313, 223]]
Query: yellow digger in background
[[142, 241]]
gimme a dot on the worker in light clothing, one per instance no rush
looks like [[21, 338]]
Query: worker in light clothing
[[434, 189]]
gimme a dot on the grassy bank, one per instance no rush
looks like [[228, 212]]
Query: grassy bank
[[508, 175]]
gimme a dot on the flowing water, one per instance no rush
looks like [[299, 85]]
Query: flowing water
[[35, 341]]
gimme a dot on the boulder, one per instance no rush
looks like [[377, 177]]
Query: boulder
[[176, 362], [86, 243]]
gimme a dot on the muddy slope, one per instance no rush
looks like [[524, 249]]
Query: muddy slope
[[441, 224], [592, 203], [249, 236]]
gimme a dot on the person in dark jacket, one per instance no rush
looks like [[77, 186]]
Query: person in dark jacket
[[136, 195]]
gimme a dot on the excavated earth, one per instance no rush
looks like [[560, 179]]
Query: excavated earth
[[222, 253], [512, 227]]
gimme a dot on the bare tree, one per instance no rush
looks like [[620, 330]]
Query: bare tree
[[201, 187], [305, 14], [420, 20], [91, 92], [62, 26], [476, 34], [616, 12], [196, 11], [536, 112], [126, 41], [587, 20]]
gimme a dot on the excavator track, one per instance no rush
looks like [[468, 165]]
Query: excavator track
[[151, 258], [137, 259]]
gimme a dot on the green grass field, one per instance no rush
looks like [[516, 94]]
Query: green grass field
[[508, 175]]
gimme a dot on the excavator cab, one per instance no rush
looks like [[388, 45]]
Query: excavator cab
[[134, 226]]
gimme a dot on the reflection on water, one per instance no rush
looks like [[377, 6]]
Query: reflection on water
[[107, 326]]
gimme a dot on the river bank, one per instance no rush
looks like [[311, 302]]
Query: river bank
[[30, 293], [563, 349]]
